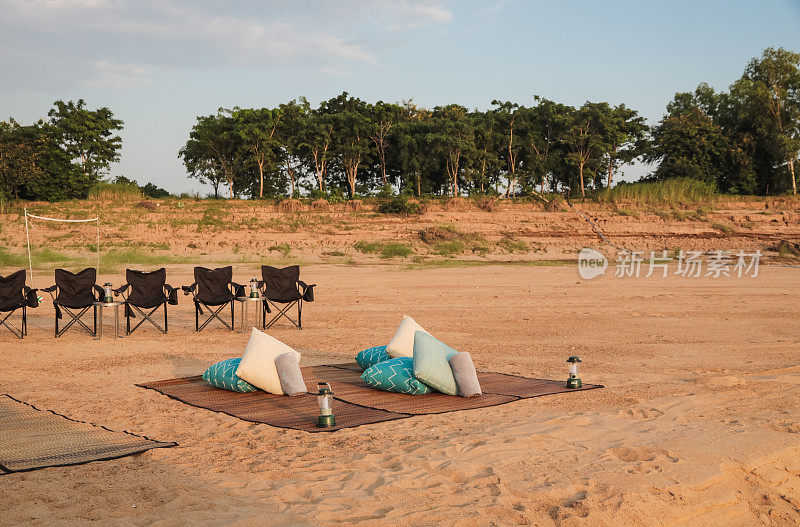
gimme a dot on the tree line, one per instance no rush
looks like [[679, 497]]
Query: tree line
[[60, 157], [744, 140]]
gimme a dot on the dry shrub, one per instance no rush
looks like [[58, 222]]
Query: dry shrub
[[487, 203], [322, 205], [290, 205], [556, 204], [457, 204], [149, 205], [355, 205], [439, 234]]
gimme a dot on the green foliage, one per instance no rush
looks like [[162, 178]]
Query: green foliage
[[512, 245], [368, 247], [674, 192], [385, 249], [121, 189], [399, 204], [283, 248], [152, 191], [394, 249], [723, 228], [450, 248]]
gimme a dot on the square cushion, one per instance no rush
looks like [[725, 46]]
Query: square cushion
[[258, 361], [402, 344], [288, 366], [223, 375], [395, 375], [371, 356], [432, 363], [465, 375]]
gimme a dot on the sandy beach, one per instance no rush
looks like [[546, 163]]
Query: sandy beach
[[697, 424]]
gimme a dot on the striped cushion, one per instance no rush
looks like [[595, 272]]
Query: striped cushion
[[395, 375], [371, 356], [223, 375]]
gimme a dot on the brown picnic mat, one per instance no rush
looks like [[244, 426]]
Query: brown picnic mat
[[356, 403], [31, 439], [298, 413]]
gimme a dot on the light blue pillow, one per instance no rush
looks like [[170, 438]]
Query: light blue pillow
[[395, 375], [223, 375], [371, 356], [432, 363]]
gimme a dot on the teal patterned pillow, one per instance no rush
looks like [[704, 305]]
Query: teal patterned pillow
[[395, 375], [223, 375], [371, 356]]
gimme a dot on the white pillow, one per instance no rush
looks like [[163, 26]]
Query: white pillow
[[402, 344], [258, 362]]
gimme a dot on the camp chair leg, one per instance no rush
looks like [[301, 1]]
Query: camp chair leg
[[148, 317], [215, 314], [77, 318], [165, 318], [5, 322], [282, 313], [300, 314], [196, 318]]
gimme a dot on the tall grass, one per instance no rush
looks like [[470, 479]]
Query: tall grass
[[674, 192], [104, 190]]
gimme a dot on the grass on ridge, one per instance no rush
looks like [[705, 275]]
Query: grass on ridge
[[677, 192], [421, 263], [385, 249]]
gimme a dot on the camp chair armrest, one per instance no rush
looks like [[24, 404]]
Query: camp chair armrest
[[50, 289], [308, 290], [188, 289], [31, 298], [98, 290], [120, 289], [238, 289], [172, 294]]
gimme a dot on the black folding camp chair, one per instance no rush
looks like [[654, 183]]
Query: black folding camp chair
[[213, 288], [14, 295], [146, 292], [283, 286], [73, 292]]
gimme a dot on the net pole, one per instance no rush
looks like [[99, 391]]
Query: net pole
[[28, 240], [98, 245]]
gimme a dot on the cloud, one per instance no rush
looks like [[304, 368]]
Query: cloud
[[408, 15], [115, 76], [114, 44]]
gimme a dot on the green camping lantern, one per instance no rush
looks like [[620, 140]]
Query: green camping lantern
[[108, 293], [574, 381], [325, 401], [253, 288]]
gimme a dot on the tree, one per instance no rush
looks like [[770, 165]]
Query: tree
[[623, 132], [585, 140], [772, 83], [315, 144], [547, 123], [508, 125], [351, 128], [256, 128], [33, 165], [383, 117], [210, 153], [688, 145], [453, 138], [87, 135], [487, 146]]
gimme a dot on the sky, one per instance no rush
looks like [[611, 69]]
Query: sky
[[159, 64]]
